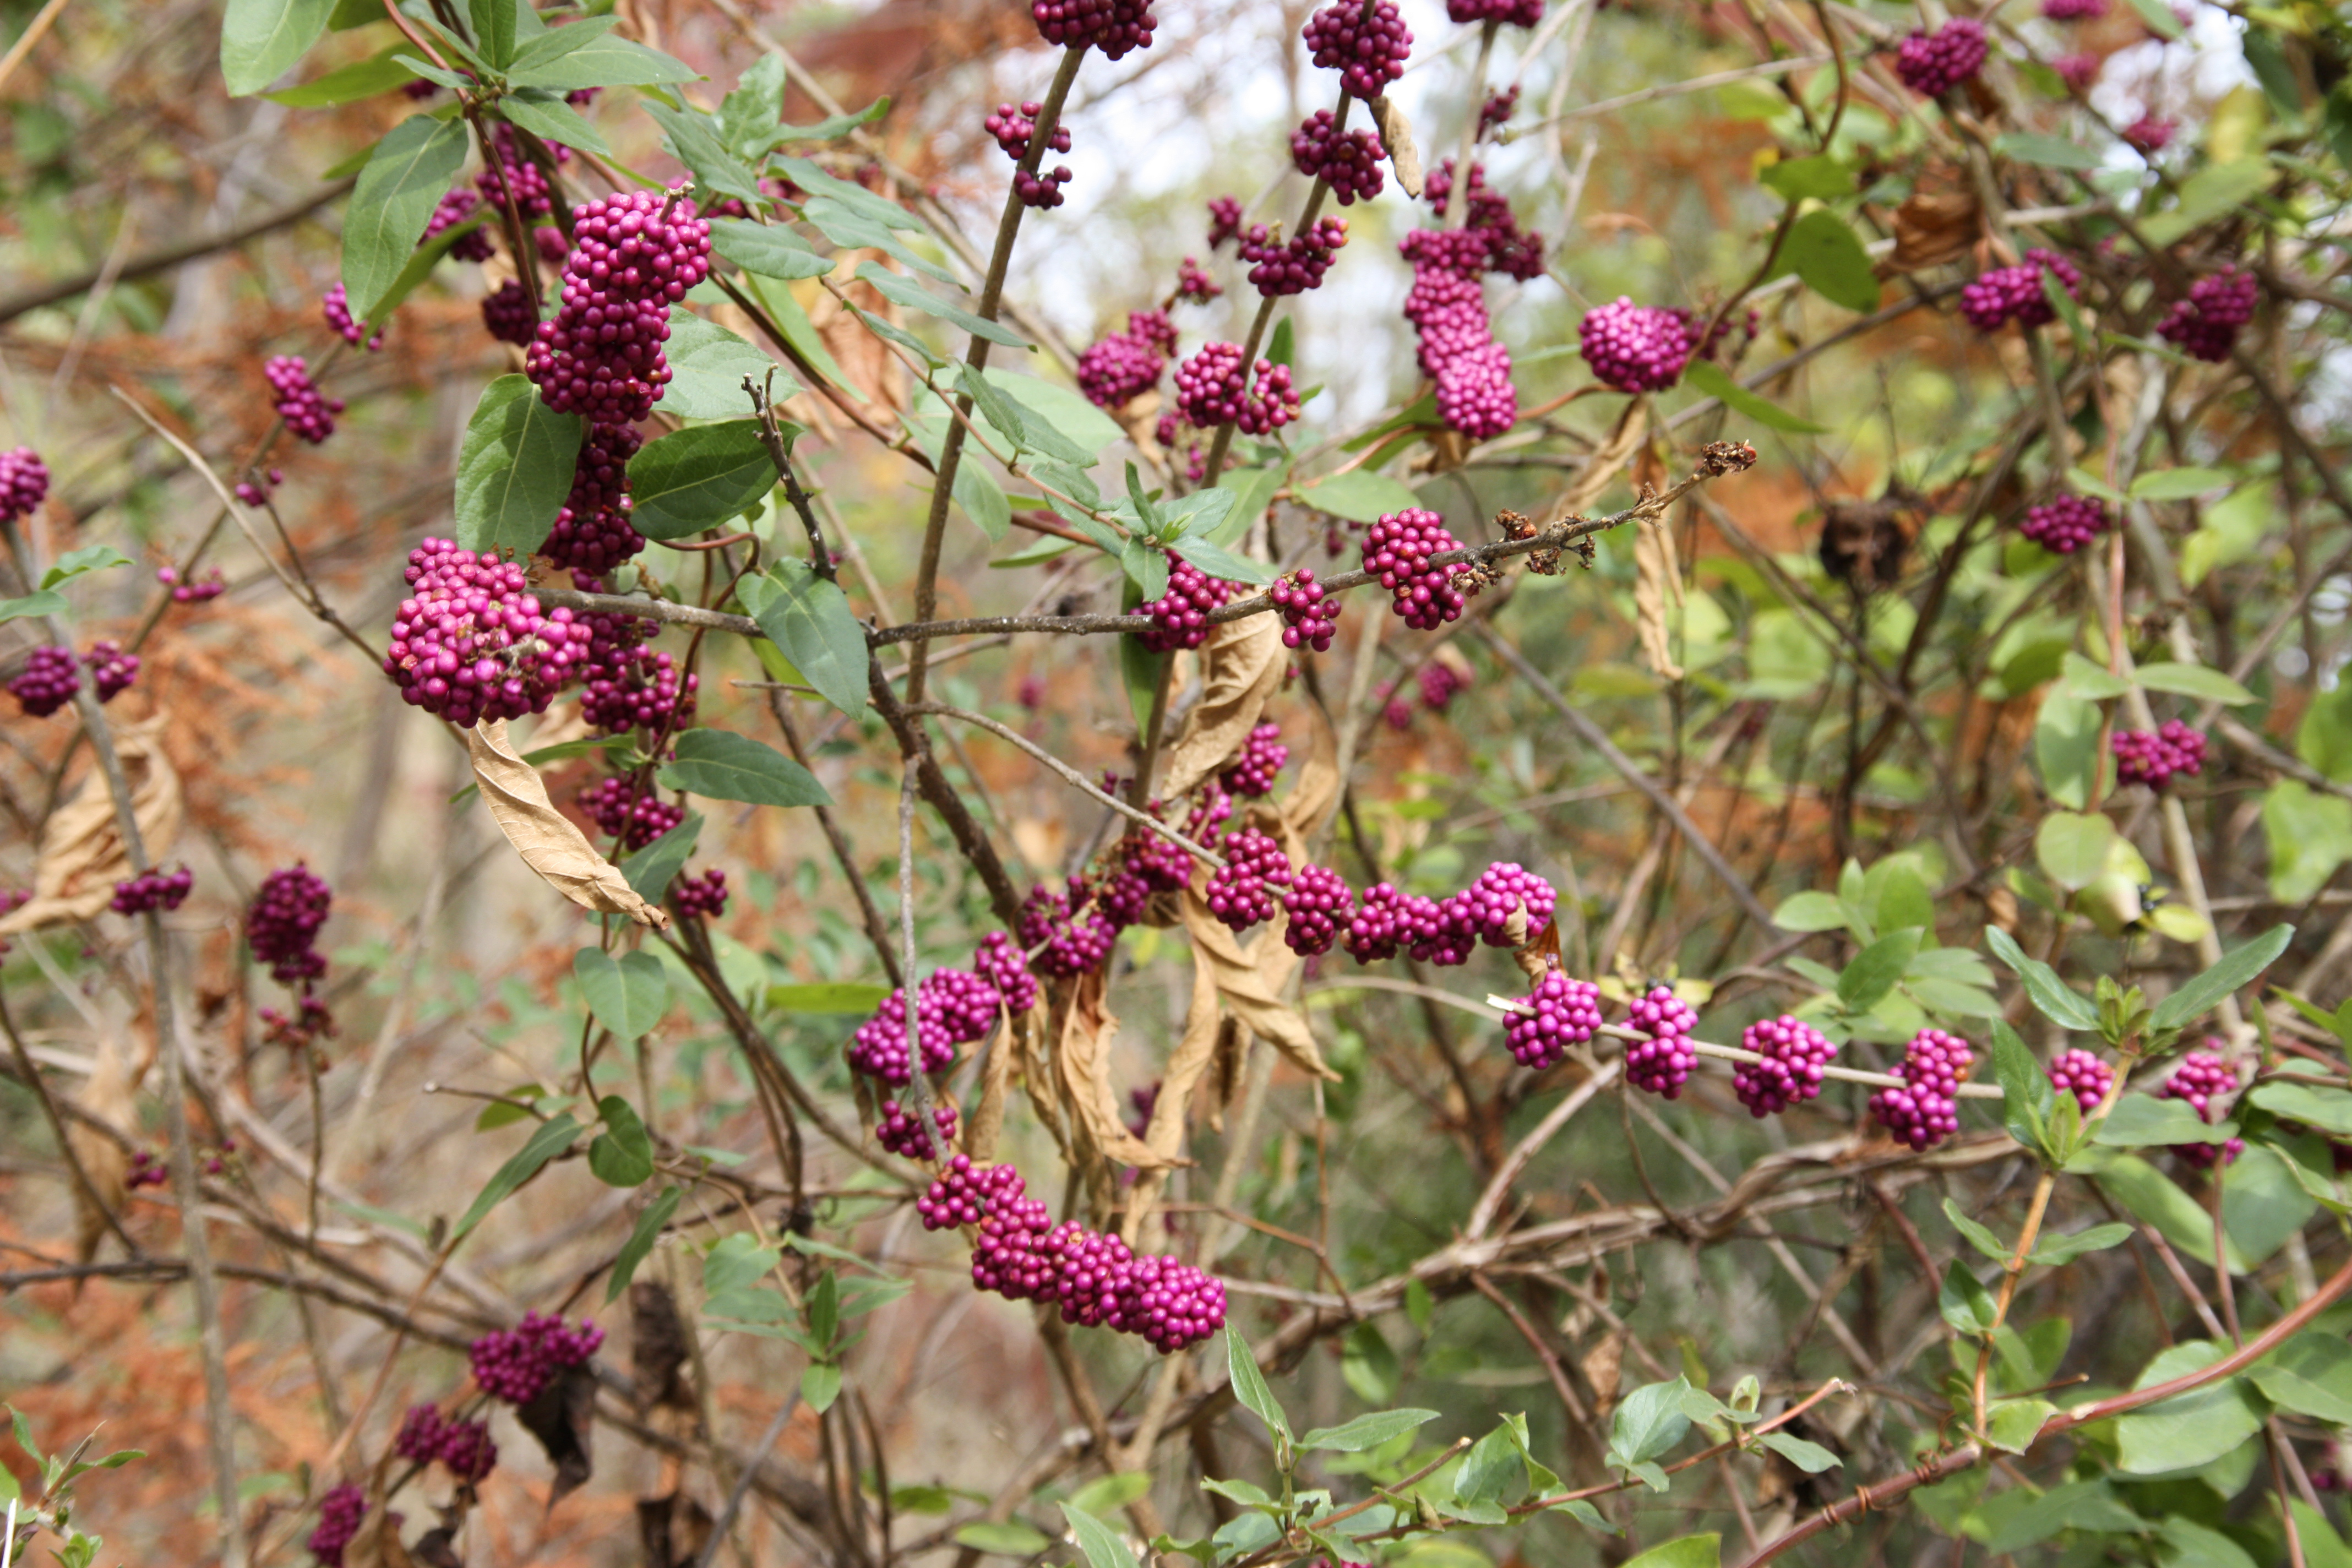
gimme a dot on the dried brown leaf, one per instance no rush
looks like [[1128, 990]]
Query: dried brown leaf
[[1601, 470], [674, 1529], [657, 1350], [1088, 1027], [545, 838], [1396, 135], [1250, 981], [1603, 1367], [986, 1124], [1936, 223], [107, 1095], [1312, 798], [81, 856], [1195, 1053], [1244, 660], [1657, 582]]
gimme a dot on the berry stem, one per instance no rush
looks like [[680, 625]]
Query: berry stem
[[2011, 1272], [1457, 196]]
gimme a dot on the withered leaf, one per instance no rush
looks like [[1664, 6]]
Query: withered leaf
[[1396, 135], [1936, 223], [674, 1529], [1657, 582], [81, 856], [658, 1350], [545, 838], [1244, 662], [987, 1120], [560, 1416], [1250, 981], [106, 1096], [1312, 798], [1195, 1054], [1089, 1028], [1601, 470]]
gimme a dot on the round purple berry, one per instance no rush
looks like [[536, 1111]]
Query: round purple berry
[[471, 642], [1557, 1013], [2065, 523], [633, 254], [2086, 1078], [1932, 63], [513, 1365], [1368, 51], [1319, 900], [111, 670], [282, 925], [24, 483], [2205, 325], [335, 305], [1347, 160], [1664, 1062], [1262, 757], [2153, 756], [1310, 615], [1925, 1111], [50, 678], [1111, 27], [1241, 892], [1397, 550], [621, 811], [1635, 348], [2204, 1082], [1180, 618], [308, 413], [1793, 1054]]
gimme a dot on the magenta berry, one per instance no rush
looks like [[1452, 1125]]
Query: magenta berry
[[621, 810], [471, 642], [2073, 10], [1507, 906], [1369, 52], [1347, 160], [1262, 756], [966, 1193], [1457, 342], [2065, 523], [1007, 968], [704, 897], [629, 685], [111, 670], [1497, 111], [335, 305], [1397, 550], [900, 1130], [464, 1447], [212, 586], [592, 532], [49, 679], [633, 254], [1194, 286], [1664, 1062], [2017, 293], [1277, 270], [1925, 1111], [1445, 932], [456, 207], [1635, 348], [507, 315], [2205, 325], [2153, 756], [151, 890], [513, 1365], [2149, 134], [1112, 28], [2078, 70], [2086, 1078], [1180, 618], [1439, 681], [1516, 13], [1932, 63], [1241, 892], [1211, 390], [24, 483], [1123, 365], [525, 181], [1794, 1053], [1204, 824], [1064, 946], [1318, 901], [1012, 128], [1225, 219], [340, 1509], [1043, 189], [307, 412], [1557, 1013], [2201, 1080], [1381, 924], [1310, 615], [282, 925], [146, 1170]]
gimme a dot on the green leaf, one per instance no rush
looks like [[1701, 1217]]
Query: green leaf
[[725, 766], [2189, 1429], [74, 563], [622, 1154], [2082, 678], [820, 1385], [2327, 1110], [2309, 834], [550, 1141], [42, 603], [1086, 427], [1649, 1422], [768, 249], [404, 181], [2195, 681], [2057, 1249], [2147, 1194], [1010, 1537], [649, 870], [1820, 178], [1492, 1471], [2073, 848], [1013, 421], [2179, 484], [23, 1430], [2236, 969], [556, 60], [915, 297], [1875, 970], [850, 230], [260, 38], [1369, 1364], [1966, 1305], [1711, 379], [1366, 1431], [2050, 151], [2211, 192], [809, 618], [749, 115], [1358, 495], [2144, 1121], [421, 263], [699, 478], [2078, 1505], [2026, 1093], [1249, 1385], [1977, 1235], [1810, 1457], [1103, 1546], [2293, 1389], [2066, 1008], [628, 995], [640, 1245], [708, 365], [552, 120], [361, 78], [1690, 1551], [836, 999], [514, 467], [1224, 564], [2066, 746], [1105, 1494], [847, 195], [2013, 1424], [692, 138], [832, 127], [1811, 912], [983, 499], [1282, 347], [494, 30], [1823, 250]]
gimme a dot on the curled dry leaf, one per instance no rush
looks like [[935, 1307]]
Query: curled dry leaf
[[1196, 1053], [1936, 223], [1396, 135], [1316, 792], [107, 1097], [1657, 582], [547, 841], [1088, 1027], [986, 1124], [1601, 470], [1250, 981], [81, 854], [1244, 660]]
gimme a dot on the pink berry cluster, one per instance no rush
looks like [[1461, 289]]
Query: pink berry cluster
[[1505, 907], [2065, 523], [704, 896], [1180, 618], [592, 532], [1487, 216], [147, 1169], [1095, 1279], [1397, 550], [282, 925], [253, 494], [1112, 28], [2073, 10], [1067, 934], [513, 1365], [2078, 70], [335, 305], [1012, 128], [900, 1130], [299, 1030], [307, 412], [111, 670], [1497, 111], [151, 890], [458, 206], [1439, 681], [1251, 774], [1124, 365], [1318, 901], [1456, 344], [1557, 1013], [1212, 390], [630, 685], [340, 1509], [24, 483], [1932, 63], [1664, 1062], [1368, 51], [1194, 286], [623, 811], [1794, 1053], [2205, 325], [633, 254], [1241, 892], [507, 315], [952, 1007], [2017, 293], [1310, 615], [1224, 220], [2086, 1078], [1635, 348], [1347, 160], [524, 179], [471, 643], [2149, 134], [1926, 1110], [1279, 268], [47, 682], [1517, 13], [210, 586], [2152, 757], [2201, 1079], [1006, 967], [463, 1447]]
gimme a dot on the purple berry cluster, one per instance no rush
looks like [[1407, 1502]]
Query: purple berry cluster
[[1279, 269], [1557, 1013], [2152, 757], [592, 532], [513, 1365], [1310, 615], [1488, 220], [1124, 365], [507, 315], [1262, 755], [310, 1023], [147, 1169], [1369, 52], [1497, 111], [2205, 325], [151, 890], [307, 412], [1457, 347], [952, 1008], [2073, 10], [1006, 967], [704, 897], [470, 643], [1067, 934], [2078, 71], [47, 682], [1635, 348], [621, 810], [2086, 1078], [900, 1130], [1932, 63], [340, 1509], [1318, 902], [457, 207], [1180, 618], [335, 305], [631, 685], [1111, 27], [1439, 681], [1094, 1279], [2065, 523], [1397, 550], [2148, 134], [524, 179], [1385, 919], [1664, 1062], [1194, 286], [2017, 293], [1241, 892], [1926, 1110], [1507, 906], [24, 483], [111, 670], [282, 925], [633, 254], [463, 1447], [2201, 1078], [1012, 128], [1224, 220], [1347, 160], [1211, 390], [1043, 189], [1517, 13], [1794, 1053], [210, 586]]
